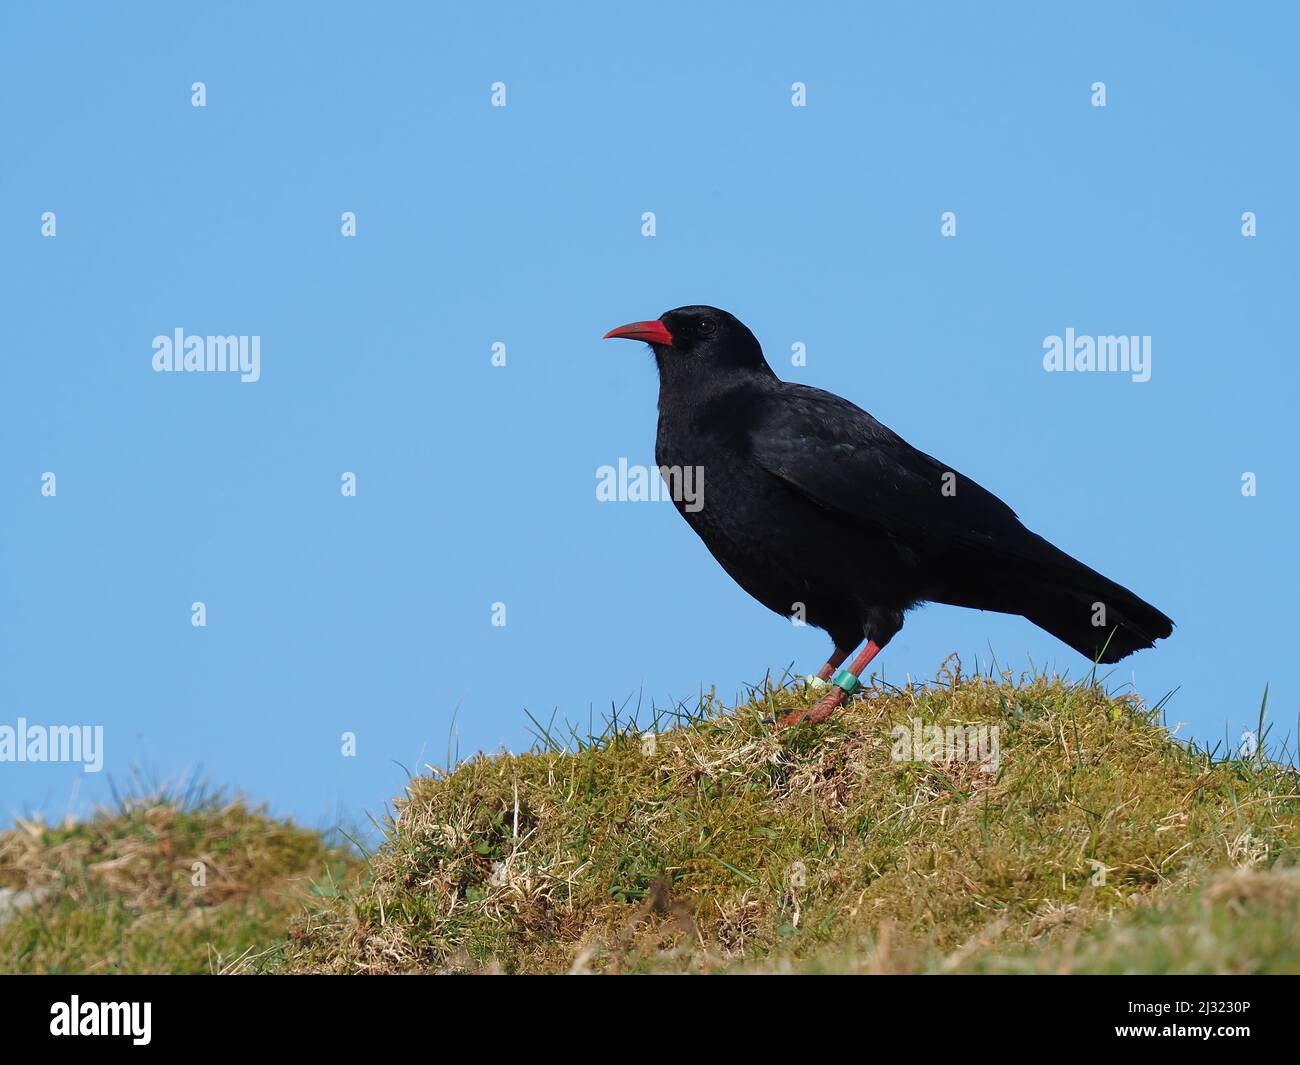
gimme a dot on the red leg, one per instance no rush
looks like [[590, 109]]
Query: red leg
[[828, 704], [832, 664]]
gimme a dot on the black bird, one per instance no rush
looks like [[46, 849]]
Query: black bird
[[820, 511]]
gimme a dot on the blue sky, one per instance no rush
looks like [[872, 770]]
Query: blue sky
[[522, 225]]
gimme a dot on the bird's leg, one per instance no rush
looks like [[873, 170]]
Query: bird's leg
[[845, 684], [832, 664]]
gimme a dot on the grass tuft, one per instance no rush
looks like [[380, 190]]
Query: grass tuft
[[1100, 843], [698, 838], [163, 884]]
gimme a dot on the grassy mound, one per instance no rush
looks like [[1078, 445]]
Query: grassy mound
[[158, 886], [1096, 843]]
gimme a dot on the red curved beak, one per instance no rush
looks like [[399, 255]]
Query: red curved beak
[[650, 332]]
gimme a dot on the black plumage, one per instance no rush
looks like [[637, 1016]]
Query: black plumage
[[810, 503]]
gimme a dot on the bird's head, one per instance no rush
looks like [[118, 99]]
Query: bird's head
[[692, 342]]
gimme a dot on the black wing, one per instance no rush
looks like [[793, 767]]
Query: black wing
[[840, 458], [967, 547]]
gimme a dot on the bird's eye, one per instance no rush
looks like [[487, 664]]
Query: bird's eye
[[707, 327]]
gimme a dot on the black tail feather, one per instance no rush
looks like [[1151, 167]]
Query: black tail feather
[[1105, 624], [1097, 617]]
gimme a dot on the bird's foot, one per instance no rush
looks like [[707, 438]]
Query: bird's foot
[[818, 712]]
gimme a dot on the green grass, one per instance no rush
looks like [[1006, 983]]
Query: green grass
[[1100, 844], [158, 886]]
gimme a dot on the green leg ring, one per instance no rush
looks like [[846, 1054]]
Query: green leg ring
[[847, 681]]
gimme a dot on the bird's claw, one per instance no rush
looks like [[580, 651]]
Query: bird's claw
[[817, 713]]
